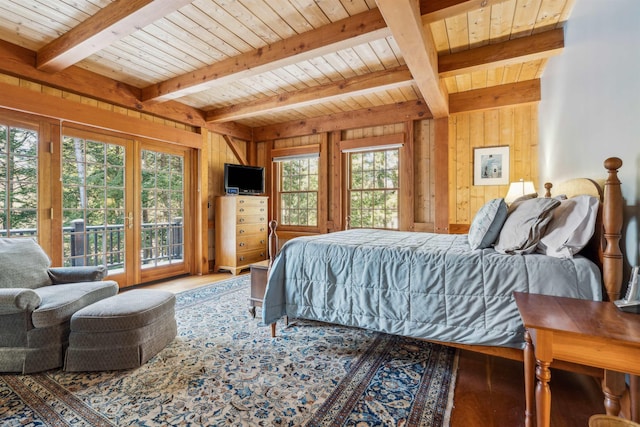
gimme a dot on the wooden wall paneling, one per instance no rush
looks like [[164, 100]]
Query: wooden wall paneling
[[423, 175], [534, 159], [508, 137], [323, 184], [452, 172], [464, 175], [476, 139], [492, 138], [514, 126], [334, 222], [442, 166], [520, 166], [438, 151], [201, 250], [407, 180]]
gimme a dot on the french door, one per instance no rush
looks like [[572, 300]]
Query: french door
[[124, 206]]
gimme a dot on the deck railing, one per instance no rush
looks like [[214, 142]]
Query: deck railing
[[104, 244]]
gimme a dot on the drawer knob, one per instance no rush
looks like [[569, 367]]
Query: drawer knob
[[241, 231], [242, 258], [241, 220], [261, 253], [241, 201], [262, 241], [261, 219], [241, 209], [241, 244]]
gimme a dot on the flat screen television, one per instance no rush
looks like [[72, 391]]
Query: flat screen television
[[247, 179]]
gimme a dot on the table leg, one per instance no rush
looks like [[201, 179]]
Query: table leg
[[273, 329], [634, 397], [543, 394], [529, 380], [613, 386]]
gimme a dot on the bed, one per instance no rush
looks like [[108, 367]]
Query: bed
[[447, 288]]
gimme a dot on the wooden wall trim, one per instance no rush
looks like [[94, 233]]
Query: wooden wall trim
[[372, 141], [29, 101], [295, 151]]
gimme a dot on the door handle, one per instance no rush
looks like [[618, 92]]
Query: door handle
[[130, 220]]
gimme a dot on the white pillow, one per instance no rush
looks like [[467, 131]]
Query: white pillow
[[487, 223], [525, 225], [571, 227]]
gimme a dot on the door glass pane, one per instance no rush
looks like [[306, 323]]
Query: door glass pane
[[162, 207], [93, 203], [18, 182]]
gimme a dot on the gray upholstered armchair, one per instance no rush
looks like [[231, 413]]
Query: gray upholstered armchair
[[37, 302]]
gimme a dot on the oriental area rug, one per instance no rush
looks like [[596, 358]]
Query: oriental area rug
[[224, 369]]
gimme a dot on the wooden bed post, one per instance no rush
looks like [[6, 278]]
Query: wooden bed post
[[274, 246], [612, 224]]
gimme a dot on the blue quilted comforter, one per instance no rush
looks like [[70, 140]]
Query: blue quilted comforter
[[423, 285]]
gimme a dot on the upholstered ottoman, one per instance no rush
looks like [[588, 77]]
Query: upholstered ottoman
[[121, 332]]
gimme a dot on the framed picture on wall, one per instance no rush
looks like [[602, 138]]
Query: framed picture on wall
[[491, 165]]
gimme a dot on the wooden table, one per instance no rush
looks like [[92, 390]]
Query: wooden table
[[585, 332]]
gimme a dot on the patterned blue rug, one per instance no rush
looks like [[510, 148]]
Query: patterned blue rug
[[224, 369]]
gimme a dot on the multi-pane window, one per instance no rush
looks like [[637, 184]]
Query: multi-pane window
[[93, 203], [18, 181], [299, 192], [373, 189], [162, 202]]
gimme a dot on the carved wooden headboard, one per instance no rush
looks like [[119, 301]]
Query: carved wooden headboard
[[604, 247]]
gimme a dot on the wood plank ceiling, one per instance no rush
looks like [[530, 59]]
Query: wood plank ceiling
[[256, 63]]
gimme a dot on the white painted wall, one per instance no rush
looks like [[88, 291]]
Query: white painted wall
[[590, 107]]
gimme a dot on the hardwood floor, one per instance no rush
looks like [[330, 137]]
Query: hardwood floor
[[489, 390]]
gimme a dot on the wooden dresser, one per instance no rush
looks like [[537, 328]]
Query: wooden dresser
[[241, 232]]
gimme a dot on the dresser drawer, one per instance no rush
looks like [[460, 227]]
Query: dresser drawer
[[251, 219], [244, 229], [250, 257], [251, 210], [247, 242], [251, 201]]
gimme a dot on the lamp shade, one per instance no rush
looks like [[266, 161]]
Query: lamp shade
[[519, 189]]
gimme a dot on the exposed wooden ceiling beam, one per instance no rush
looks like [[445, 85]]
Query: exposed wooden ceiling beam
[[537, 46], [419, 51], [495, 96], [383, 115], [20, 62], [113, 22], [359, 85], [349, 32], [436, 10]]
